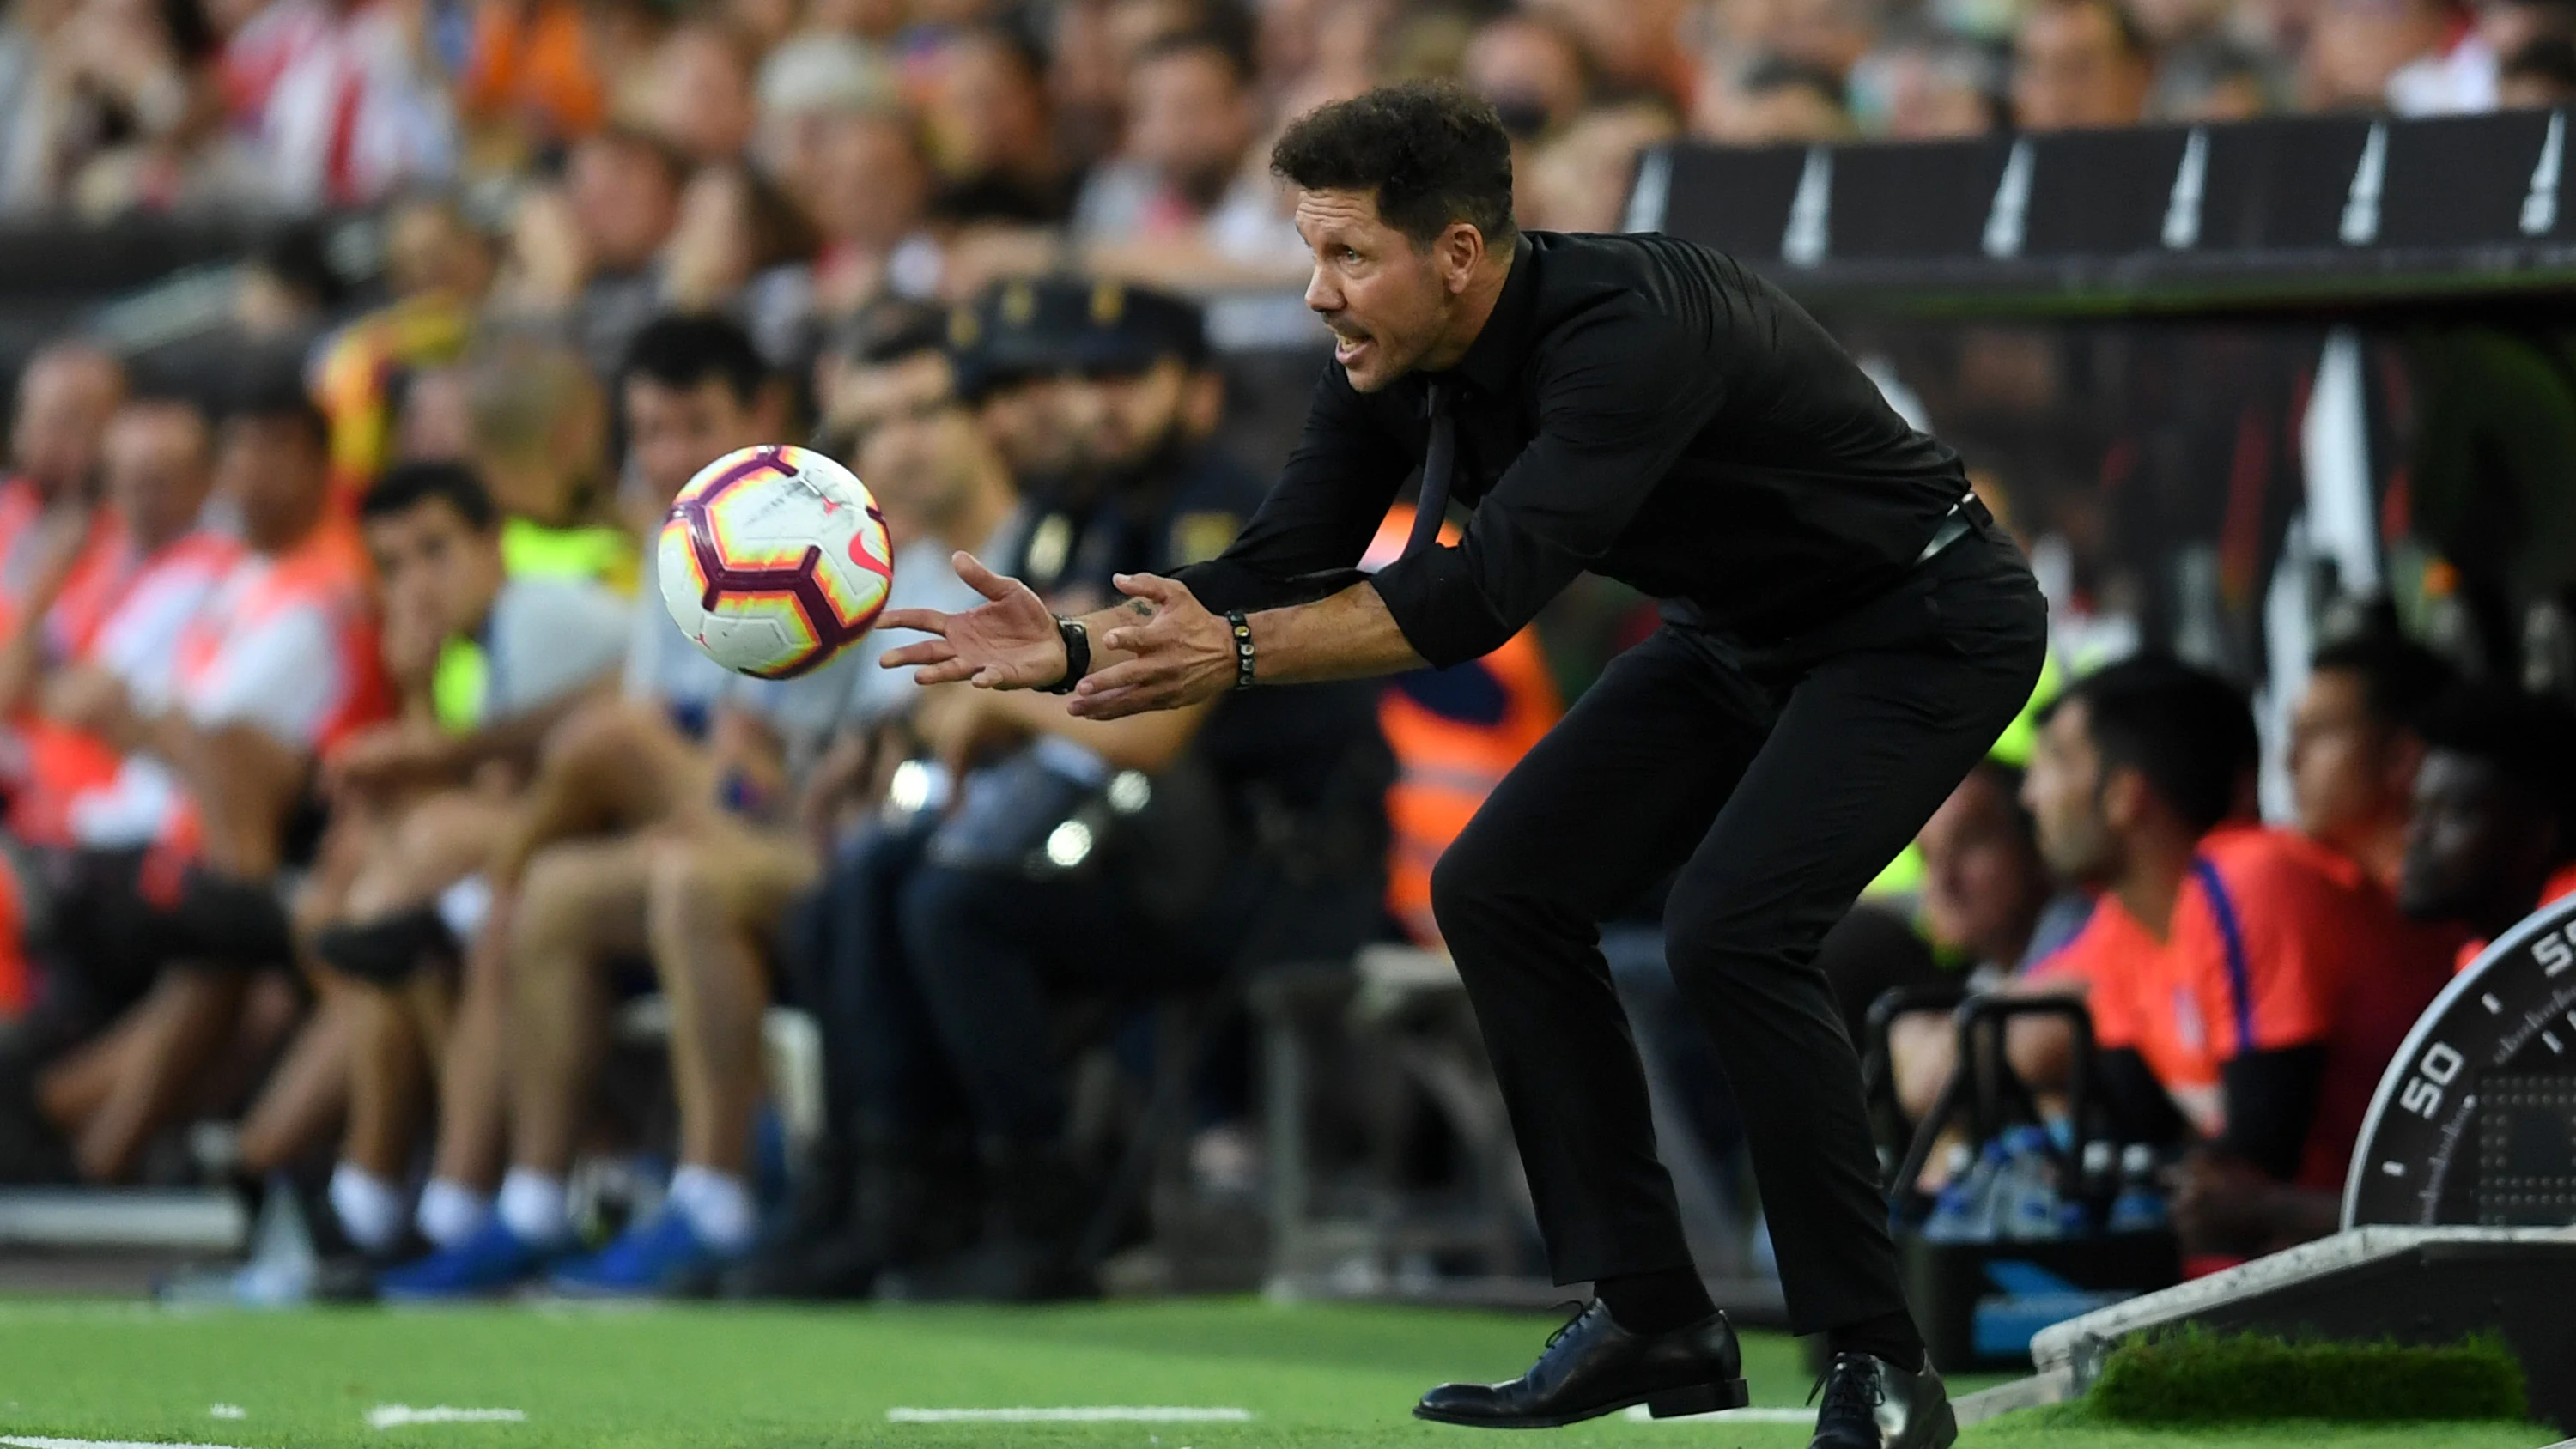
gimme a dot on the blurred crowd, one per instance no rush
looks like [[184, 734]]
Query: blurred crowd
[[358, 780], [924, 146], [361, 793], [359, 787]]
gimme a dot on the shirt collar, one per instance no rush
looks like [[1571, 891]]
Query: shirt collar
[[1494, 358]]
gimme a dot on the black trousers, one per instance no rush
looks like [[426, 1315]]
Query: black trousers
[[1779, 780]]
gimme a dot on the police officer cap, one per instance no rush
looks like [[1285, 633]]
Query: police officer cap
[[1046, 326]]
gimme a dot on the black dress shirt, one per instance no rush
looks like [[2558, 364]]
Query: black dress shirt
[[1637, 406]]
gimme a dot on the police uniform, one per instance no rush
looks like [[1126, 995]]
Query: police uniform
[[1008, 902]]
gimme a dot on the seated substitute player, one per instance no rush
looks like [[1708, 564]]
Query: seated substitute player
[[864, 1184], [539, 430], [949, 949], [161, 563], [427, 793], [2356, 745], [2494, 833], [1986, 893], [48, 538], [2247, 985], [636, 838], [175, 876], [1845, 633]]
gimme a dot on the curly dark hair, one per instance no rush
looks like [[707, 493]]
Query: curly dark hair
[[1433, 153]]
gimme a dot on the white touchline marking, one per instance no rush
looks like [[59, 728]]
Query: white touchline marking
[[31, 1441], [227, 1411], [1104, 1414], [1640, 1413], [394, 1416]]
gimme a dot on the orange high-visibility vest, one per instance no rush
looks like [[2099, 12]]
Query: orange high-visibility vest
[[1446, 767]]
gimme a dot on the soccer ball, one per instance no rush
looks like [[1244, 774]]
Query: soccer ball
[[774, 559]]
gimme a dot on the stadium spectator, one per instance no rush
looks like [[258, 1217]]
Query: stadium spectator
[[66, 396], [633, 837], [1826, 35], [2079, 63], [1774, 100], [744, 248], [25, 33], [530, 78], [2209, 80], [1635, 46], [697, 95], [2405, 56], [343, 103], [1927, 90], [1180, 206], [439, 266], [991, 127], [2355, 747], [2247, 986], [1579, 179], [888, 363], [2506, 27], [584, 255], [2493, 836], [2538, 75], [130, 115], [802, 86], [173, 876], [870, 200], [1531, 68]]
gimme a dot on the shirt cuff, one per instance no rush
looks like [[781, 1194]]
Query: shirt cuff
[[1438, 608]]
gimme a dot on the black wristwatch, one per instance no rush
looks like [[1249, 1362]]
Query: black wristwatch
[[1077, 655]]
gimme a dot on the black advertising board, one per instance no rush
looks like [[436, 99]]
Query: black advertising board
[[2332, 210]]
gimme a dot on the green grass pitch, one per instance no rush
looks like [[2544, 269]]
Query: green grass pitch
[[688, 1377]]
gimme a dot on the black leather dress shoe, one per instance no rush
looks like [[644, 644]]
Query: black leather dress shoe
[[1870, 1403], [1592, 1367]]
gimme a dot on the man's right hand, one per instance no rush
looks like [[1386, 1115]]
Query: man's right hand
[[1010, 643]]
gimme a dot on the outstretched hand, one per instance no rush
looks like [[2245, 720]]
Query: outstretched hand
[[1010, 642], [1180, 653]]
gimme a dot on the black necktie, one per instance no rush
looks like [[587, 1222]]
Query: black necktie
[[1438, 461]]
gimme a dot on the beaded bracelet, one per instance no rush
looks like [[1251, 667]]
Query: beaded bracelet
[[1242, 628]]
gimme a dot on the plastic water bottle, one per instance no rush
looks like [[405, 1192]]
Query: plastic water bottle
[[1964, 1210], [2140, 1207], [2028, 1191], [2101, 1168]]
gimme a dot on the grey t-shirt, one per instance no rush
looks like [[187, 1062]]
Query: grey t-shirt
[[548, 637], [665, 666]]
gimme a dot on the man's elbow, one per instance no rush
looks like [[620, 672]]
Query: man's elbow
[[1448, 645]]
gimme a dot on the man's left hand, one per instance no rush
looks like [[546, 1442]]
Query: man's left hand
[[1182, 654]]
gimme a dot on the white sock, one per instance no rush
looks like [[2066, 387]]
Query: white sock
[[533, 1207], [370, 1209], [450, 1212], [717, 1205]]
